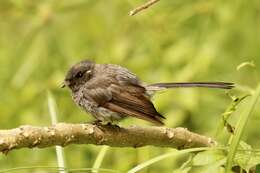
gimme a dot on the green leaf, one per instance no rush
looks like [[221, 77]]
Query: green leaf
[[214, 167], [208, 157], [228, 112], [164, 156], [246, 157], [240, 129], [247, 160], [207, 169], [182, 170], [186, 166]]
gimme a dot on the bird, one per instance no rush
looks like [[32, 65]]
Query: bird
[[110, 92]]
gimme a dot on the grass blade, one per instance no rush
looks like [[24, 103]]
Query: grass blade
[[99, 159], [164, 156], [240, 127], [55, 169], [53, 114]]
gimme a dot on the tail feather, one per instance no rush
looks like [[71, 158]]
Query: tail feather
[[220, 85]]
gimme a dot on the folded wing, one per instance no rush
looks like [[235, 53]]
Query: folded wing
[[125, 98]]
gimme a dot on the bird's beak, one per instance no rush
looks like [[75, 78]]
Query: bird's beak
[[64, 84]]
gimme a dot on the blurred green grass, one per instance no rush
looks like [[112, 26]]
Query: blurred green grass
[[172, 41]]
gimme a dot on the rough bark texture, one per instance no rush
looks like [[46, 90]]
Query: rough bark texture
[[64, 134]]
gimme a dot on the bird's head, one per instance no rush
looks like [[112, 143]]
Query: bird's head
[[78, 75]]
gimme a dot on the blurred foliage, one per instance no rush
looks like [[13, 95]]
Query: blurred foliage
[[171, 41]]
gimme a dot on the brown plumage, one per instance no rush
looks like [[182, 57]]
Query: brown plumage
[[110, 92]]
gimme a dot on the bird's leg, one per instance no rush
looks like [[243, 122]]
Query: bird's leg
[[102, 123], [113, 125], [105, 125], [96, 122]]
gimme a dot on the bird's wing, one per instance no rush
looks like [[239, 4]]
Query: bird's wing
[[125, 97]]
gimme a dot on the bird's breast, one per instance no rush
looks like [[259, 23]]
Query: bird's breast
[[83, 102]]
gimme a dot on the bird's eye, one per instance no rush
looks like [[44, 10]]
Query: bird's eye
[[79, 74]]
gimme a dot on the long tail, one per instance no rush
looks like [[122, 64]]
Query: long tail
[[160, 86]]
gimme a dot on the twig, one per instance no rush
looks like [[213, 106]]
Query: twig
[[63, 134], [142, 7]]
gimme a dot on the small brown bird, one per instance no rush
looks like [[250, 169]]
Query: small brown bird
[[110, 92]]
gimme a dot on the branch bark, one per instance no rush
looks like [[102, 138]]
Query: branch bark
[[64, 134]]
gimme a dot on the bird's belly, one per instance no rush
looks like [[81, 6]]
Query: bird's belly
[[98, 112], [106, 115]]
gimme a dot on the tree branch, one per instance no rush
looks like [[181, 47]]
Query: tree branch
[[64, 134], [142, 7]]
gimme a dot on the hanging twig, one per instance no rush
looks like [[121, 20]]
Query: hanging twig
[[142, 7]]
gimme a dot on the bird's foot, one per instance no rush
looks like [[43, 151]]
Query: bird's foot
[[100, 123], [114, 126], [104, 126], [96, 122]]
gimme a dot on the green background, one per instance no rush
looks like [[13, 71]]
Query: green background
[[180, 40]]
